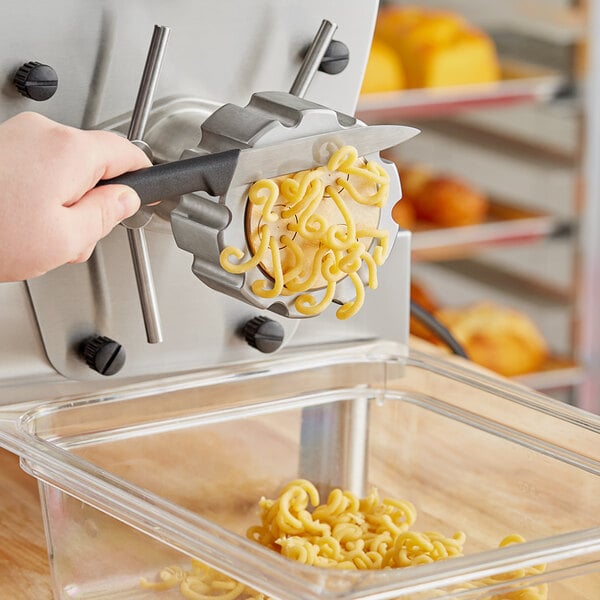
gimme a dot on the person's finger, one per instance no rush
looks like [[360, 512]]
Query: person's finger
[[98, 212], [116, 154], [96, 155]]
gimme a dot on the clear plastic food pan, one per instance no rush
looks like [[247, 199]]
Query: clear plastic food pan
[[170, 474]]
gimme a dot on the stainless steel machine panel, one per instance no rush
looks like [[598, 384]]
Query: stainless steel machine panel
[[217, 52]]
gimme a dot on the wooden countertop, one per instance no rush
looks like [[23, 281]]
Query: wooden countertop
[[24, 568]]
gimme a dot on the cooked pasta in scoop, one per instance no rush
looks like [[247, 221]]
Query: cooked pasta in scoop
[[309, 230]]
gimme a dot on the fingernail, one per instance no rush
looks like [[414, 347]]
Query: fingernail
[[130, 202]]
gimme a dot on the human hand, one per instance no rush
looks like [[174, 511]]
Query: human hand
[[50, 211]]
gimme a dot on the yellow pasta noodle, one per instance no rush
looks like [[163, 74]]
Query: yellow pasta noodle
[[366, 533], [380, 251], [260, 286], [352, 533], [296, 284], [534, 592], [345, 532], [301, 190], [309, 230], [169, 577], [349, 309], [267, 200], [252, 262], [200, 582]]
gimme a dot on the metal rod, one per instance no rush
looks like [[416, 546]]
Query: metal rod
[[136, 236], [145, 96], [312, 59], [145, 284], [334, 442]]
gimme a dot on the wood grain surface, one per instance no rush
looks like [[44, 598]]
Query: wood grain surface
[[24, 568]]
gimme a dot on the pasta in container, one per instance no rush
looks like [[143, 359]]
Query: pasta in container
[[345, 533], [433, 482]]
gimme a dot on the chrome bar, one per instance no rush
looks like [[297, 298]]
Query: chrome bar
[[312, 59], [145, 96], [135, 235], [334, 438], [334, 442], [145, 284]]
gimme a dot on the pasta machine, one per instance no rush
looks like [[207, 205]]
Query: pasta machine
[[111, 370], [181, 80]]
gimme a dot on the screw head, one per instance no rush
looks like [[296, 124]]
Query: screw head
[[103, 355], [264, 334], [336, 58], [36, 81]]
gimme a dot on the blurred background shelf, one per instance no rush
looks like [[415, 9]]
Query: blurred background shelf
[[558, 373], [521, 83], [505, 224], [531, 288], [523, 142]]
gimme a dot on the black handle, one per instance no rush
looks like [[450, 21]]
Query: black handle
[[211, 173]]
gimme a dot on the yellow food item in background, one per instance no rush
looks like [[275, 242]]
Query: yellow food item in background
[[437, 199], [499, 338], [397, 24], [384, 72], [437, 48], [422, 296], [449, 202], [403, 213], [413, 177]]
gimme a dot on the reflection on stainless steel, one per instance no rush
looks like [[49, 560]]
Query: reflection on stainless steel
[[99, 281], [143, 103], [340, 430], [102, 63], [145, 284]]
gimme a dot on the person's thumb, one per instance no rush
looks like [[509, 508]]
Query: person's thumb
[[104, 207]]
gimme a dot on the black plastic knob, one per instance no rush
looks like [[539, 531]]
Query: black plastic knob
[[103, 355], [36, 81], [264, 334], [336, 58]]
